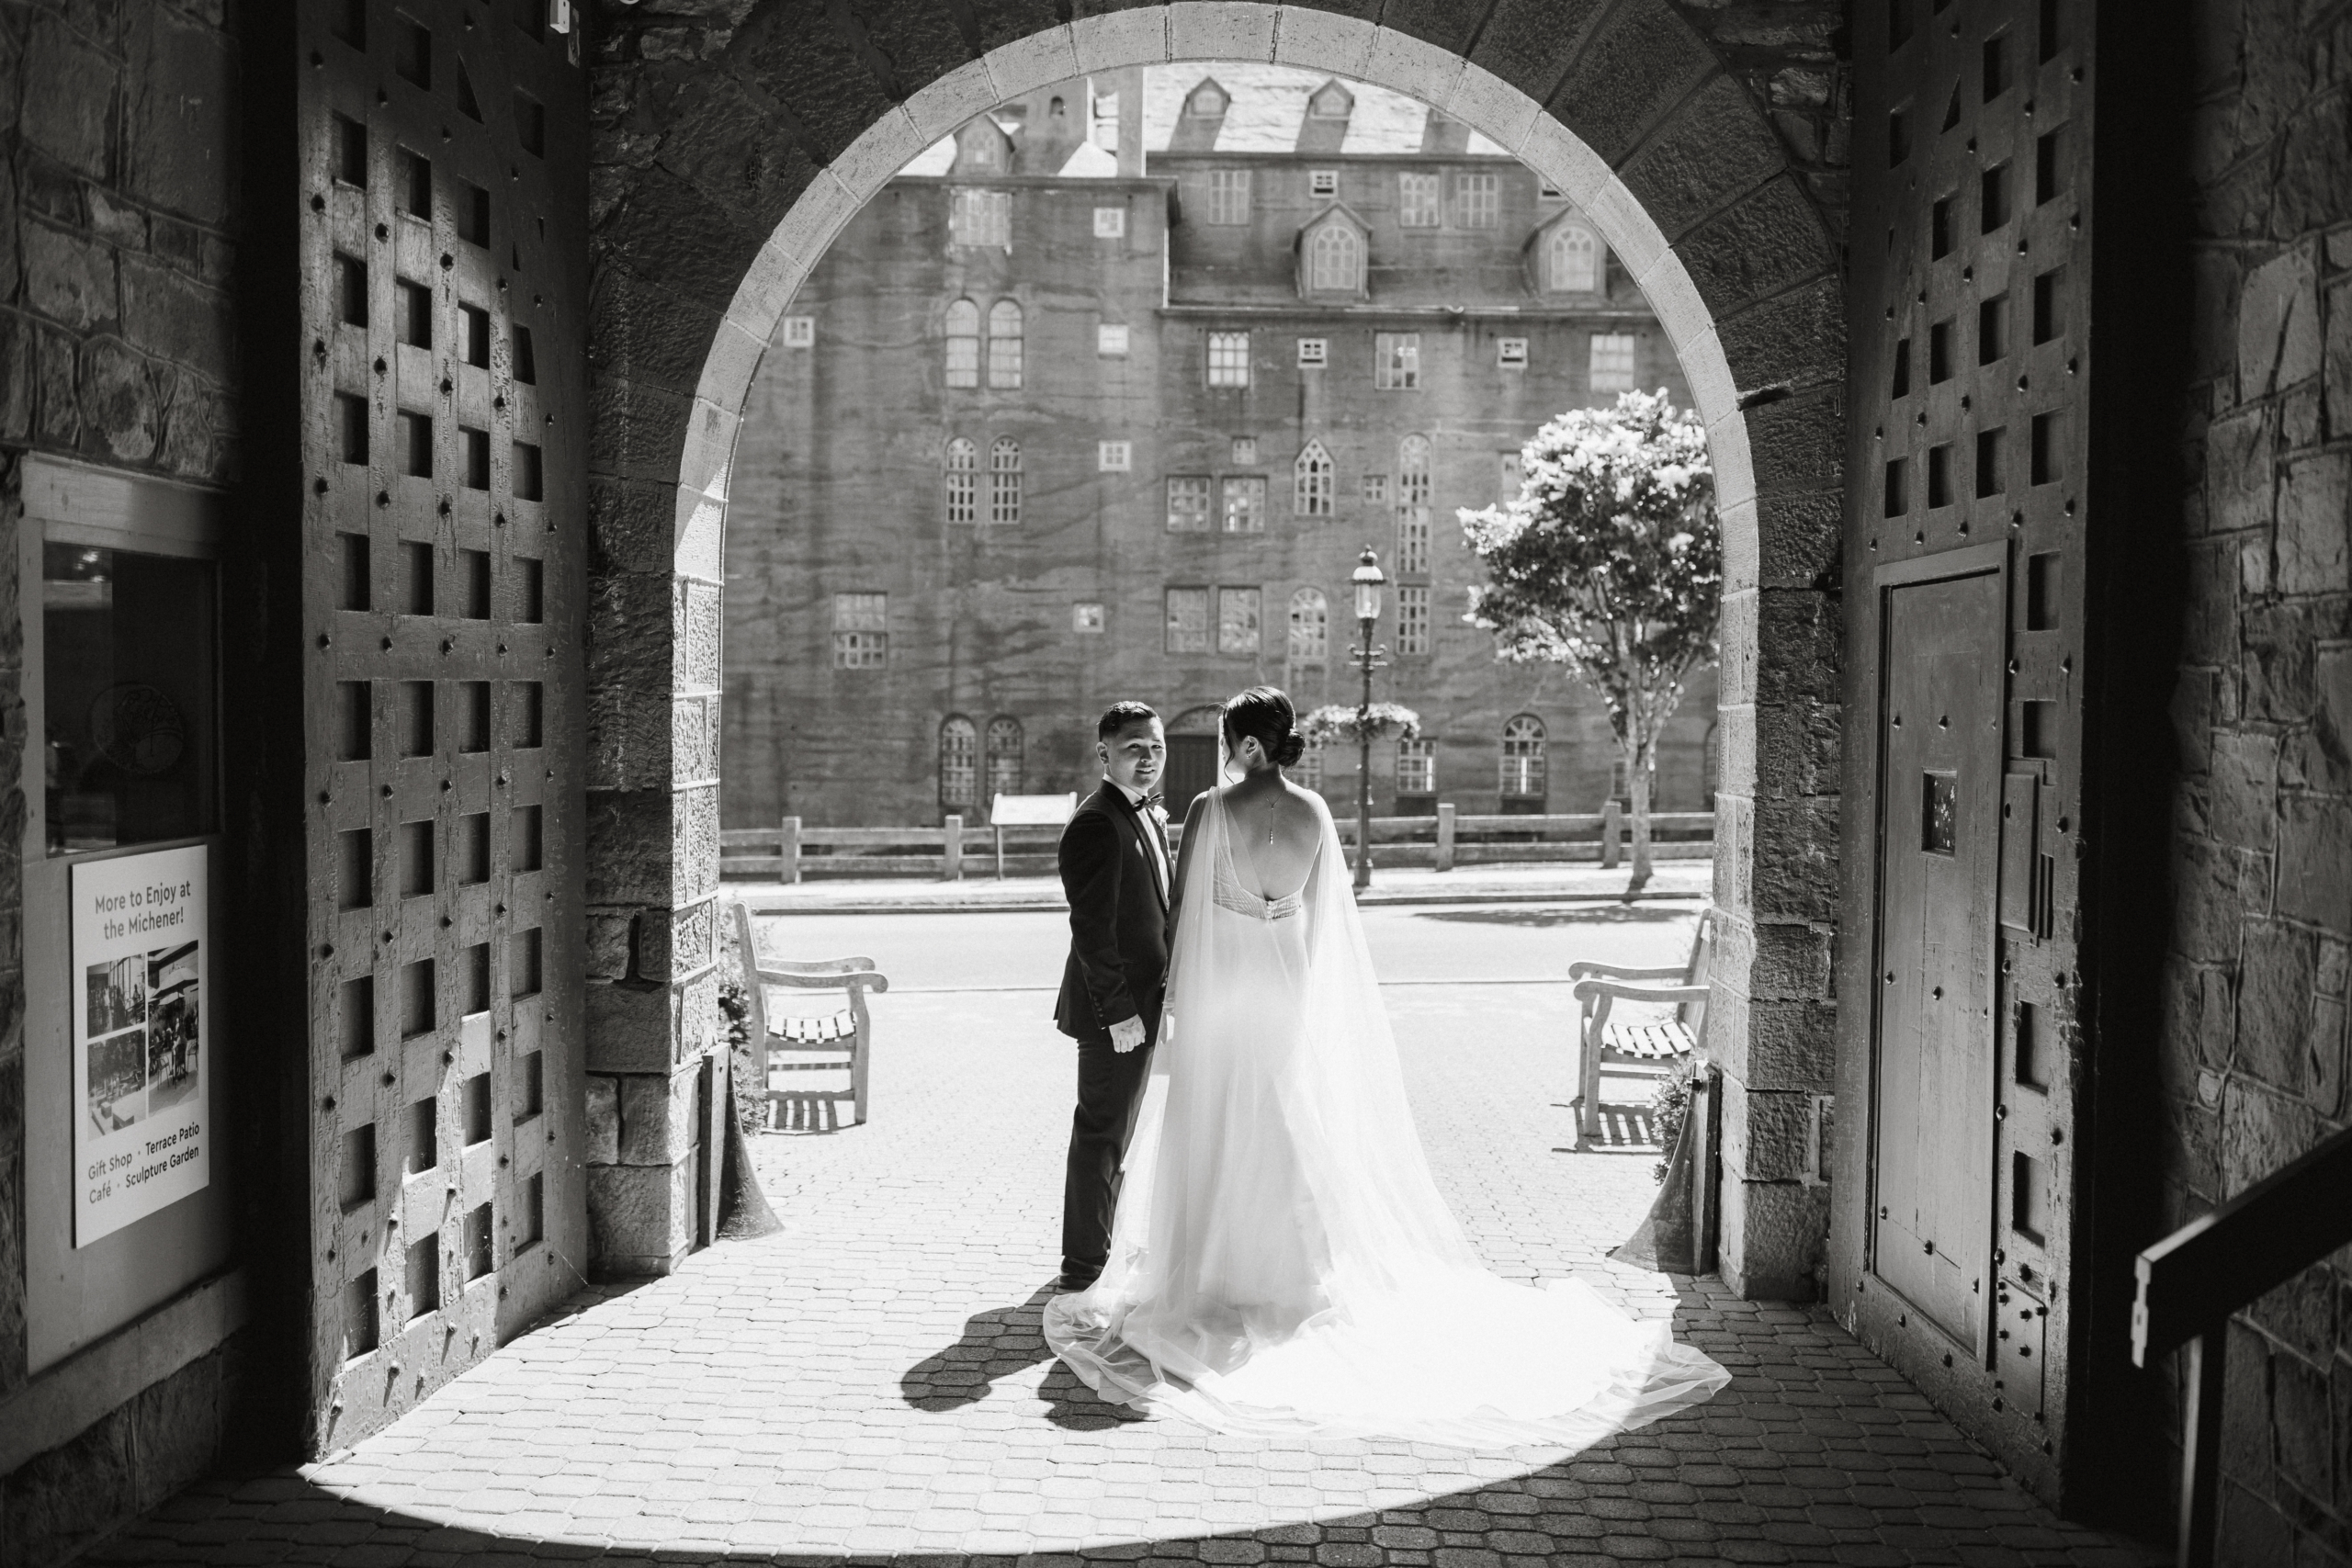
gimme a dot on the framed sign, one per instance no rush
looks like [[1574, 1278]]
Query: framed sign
[[141, 930]]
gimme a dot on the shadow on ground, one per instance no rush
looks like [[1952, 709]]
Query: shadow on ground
[[1573, 915]]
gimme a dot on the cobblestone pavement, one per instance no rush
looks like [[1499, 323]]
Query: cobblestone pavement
[[871, 1383]]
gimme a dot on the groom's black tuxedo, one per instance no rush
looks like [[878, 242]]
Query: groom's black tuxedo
[[1117, 970]]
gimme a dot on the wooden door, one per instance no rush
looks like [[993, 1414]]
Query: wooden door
[[1938, 852], [1192, 768], [441, 163]]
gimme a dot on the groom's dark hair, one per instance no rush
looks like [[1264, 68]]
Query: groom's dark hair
[[1118, 716]]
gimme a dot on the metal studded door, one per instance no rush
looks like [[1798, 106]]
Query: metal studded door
[[1965, 464], [441, 432]]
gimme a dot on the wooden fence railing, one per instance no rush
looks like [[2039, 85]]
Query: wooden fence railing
[[791, 850]]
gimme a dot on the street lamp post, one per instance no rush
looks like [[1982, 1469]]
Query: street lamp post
[[1369, 580]]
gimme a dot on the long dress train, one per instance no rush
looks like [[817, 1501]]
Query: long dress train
[[1281, 1261]]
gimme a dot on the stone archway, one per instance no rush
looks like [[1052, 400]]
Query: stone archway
[[728, 158]]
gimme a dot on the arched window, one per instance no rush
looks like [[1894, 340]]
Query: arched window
[[1334, 259], [1004, 344], [1004, 480], [1571, 261], [963, 480], [1311, 476], [1522, 769], [1004, 756], [963, 344], [958, 741], [1310, 627]]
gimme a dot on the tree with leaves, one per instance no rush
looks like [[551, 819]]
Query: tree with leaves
[[1609, 561]]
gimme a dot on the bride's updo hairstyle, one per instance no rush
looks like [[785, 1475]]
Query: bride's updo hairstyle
[[1265, 715]]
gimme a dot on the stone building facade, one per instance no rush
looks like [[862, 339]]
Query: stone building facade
[[1124, 431]]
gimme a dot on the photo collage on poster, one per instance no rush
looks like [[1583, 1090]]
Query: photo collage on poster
[[144, 1039]]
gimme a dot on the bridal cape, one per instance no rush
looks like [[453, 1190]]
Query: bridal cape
[[1281, 1261]]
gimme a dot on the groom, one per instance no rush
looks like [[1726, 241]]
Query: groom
[[1116, 871]]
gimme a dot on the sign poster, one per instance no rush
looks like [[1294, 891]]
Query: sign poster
[[139, 1135]]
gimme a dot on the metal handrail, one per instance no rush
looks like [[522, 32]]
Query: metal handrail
[[2193, 1280]]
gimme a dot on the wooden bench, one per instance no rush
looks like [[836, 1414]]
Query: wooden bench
[[783, 1043], [1648, 1049]]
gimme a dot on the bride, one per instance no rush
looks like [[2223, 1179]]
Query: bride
[[1281, 1261]]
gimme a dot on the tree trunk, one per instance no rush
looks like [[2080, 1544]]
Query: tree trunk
[[1644, 754]]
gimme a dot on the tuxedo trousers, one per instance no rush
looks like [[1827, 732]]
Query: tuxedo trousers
[[1110, 1091]]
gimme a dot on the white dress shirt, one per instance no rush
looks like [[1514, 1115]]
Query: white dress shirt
[[1151, 839]]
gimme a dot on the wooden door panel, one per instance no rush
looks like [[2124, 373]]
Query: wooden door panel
[[1192, 768]]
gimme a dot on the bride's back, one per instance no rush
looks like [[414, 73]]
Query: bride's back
[[1273, 833]]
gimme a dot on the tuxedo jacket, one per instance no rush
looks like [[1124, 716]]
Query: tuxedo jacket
[[1118, 918]]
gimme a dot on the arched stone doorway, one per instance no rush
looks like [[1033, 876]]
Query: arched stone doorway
[[730, 157]]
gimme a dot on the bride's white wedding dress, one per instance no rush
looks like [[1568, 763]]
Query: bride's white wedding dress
[[1281, 1262]]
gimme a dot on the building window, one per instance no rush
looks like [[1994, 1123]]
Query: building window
[[799, 331], [1413, 503], [1413, 616], [1114, 457], [981, 218], [1477, 200], [963, 481], [1188, 620], [1375, 488], [1510, 353], [1396, 361], [1237, 620], [1004, 756], [1310, 627], [1312, 482], [1612, 361], [1111, 223], [1571, 260], [1417, 200], [1322, 182], [1245, 504], [958, 742], [1004, 480], [1111, 341], [1245, 450], [1331, 101], [1550, 187], [1004, 344], [1314, 352], [1188, 503], [1103, 129], [1229, 196], [1207, 101], [1412, 538], [963, 344], [1506, 476], [860, 631], [1334, 259], [1417, 767], [1086, 620], [1522, 763], [1228, 359]]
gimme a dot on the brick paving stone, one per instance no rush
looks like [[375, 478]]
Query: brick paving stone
[[870, 1385]]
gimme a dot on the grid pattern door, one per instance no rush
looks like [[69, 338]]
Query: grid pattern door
[[442, 441], [1968, 362]]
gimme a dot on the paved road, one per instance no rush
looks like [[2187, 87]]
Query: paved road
[[871, 1383]]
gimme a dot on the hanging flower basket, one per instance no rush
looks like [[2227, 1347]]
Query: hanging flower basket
[[1338, 721]]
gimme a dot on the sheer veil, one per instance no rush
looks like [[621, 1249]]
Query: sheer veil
[[1282, 1261]]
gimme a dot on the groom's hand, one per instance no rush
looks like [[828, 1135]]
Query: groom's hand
[[1127, 1034]]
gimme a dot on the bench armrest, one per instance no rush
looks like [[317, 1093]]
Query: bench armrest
[[815, 966], [1587, 967], [1586, 990], [838, 980]]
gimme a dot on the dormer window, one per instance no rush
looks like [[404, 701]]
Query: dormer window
[[1571, 260], [1331, 101], [1331, 255], [1207, 101]]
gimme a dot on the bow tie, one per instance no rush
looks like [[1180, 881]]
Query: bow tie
[[1153, 801]]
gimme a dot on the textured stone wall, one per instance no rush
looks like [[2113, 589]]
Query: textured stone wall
[[2259, 966]]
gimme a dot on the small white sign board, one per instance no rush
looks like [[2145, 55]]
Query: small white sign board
[[1032, 810], [141, 925]]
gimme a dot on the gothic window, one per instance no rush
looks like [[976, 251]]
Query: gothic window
[[1417, 767], [1228, 359], [1412, 620], [1523, 761], [1571, 260], [860, 631], [963, 344], [1416, 197], [963, 481], [1310, 627], [1237, 620], [1004, 480], [1004, 756], [1245, 504], [1395, 361], [1312, 482], [1229, 196], [1335, 259], [1188, 503], [957, 744], [1477, 200], [1612, 361], [1004, 344]]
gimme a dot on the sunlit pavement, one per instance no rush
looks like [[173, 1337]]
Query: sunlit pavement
[[870, 1382]]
